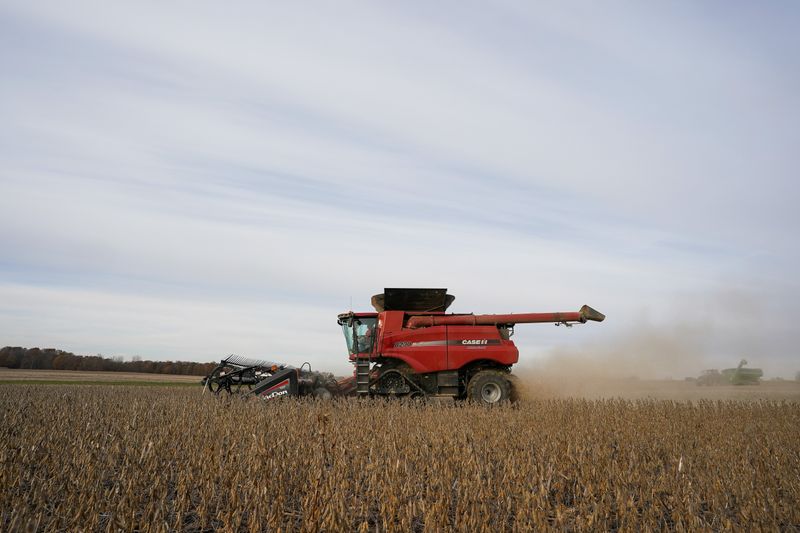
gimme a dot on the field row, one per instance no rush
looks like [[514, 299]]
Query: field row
[[13, 375], [151, 458]]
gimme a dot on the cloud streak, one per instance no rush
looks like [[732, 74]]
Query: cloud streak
[[273, 162]]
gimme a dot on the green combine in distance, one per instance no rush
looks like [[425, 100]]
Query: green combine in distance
[[732, 376]]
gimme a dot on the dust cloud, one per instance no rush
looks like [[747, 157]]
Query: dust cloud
[[657, 352], [647, 362], [646, 353]]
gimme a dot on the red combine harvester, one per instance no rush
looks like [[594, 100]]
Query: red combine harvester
[[409, 347]]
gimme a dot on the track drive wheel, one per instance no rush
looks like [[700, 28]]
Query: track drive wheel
[[489, 387]]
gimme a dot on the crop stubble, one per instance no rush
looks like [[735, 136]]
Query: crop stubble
[[107, 458]]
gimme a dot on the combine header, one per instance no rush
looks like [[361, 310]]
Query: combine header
[[267, 379], [408, 347]]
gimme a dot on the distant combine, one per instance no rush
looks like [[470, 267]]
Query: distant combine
[[731, 376]]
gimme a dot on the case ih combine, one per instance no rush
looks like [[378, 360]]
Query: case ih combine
[[407, 347]]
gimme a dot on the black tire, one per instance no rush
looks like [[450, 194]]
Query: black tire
[[489, 387]]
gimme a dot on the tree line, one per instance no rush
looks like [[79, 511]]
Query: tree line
[[52, 359]]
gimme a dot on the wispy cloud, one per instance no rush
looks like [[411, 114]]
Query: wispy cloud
[[272, 162]]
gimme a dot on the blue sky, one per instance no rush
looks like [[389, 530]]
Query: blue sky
[[186, 180]]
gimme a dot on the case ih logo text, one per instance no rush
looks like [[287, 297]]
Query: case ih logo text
[[475, 341]]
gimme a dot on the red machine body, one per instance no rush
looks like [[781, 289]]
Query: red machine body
[[437, 347], [421, 350]]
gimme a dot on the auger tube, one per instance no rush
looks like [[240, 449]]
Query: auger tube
[[586, 313]]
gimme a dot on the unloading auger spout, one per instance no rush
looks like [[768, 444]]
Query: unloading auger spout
[[585, 314]]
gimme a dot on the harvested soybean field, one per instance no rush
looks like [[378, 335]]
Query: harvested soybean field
[[100, 458], [54, 377]]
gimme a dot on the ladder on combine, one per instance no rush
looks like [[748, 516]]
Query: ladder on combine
[[362, 376]]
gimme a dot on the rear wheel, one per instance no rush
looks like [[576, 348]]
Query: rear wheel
[[489, 387]]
